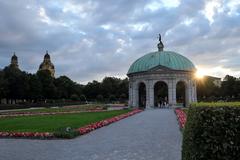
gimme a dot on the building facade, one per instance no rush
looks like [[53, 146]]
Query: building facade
[[47, 64], [14, 62], [156, 71]]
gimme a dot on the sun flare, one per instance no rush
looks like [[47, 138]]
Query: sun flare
[[199, 74]]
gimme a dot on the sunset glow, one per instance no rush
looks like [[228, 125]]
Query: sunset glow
[[200, 73]]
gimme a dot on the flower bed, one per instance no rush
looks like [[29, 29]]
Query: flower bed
[[4, 115], [182, 117], [38, 135], [80, 131], [91, 127]]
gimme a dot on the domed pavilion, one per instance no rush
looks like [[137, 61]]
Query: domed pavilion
[[162, 76]]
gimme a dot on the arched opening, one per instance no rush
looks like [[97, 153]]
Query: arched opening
[[181, 94], [142, 95], [160, 94]]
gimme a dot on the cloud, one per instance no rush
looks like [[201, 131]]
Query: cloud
[[92, 39]]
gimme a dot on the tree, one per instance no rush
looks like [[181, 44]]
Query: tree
[[17, 83], [35, 85], [206, 89], [110, 86], [74, 97], [65, 86], [100, 98], [3, 86], [83, 98], [112, 98], [92, 89], [48, 88], [230, 86]]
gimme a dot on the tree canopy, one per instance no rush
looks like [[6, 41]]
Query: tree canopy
[[18, 85]]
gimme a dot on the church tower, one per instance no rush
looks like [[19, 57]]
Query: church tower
[[47, 64], [14, 61]]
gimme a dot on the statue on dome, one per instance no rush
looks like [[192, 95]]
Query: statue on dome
[[160, 39], [160, 44]]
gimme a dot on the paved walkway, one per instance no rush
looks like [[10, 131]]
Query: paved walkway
[[150, 135]]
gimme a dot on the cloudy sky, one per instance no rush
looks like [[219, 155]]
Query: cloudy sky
[[91, 39]]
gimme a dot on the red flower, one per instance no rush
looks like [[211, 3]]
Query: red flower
[[181, 116]]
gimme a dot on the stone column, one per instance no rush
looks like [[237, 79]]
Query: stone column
[[174, 101], [171, 92], [130, 92], [135, 94], [147, 94], [170, 95], [193, 91], [188, 93], [151, 94]]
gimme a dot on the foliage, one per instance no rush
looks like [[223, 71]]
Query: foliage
[[109, 87], [35, 87], [206, 88], [100, 98], [230, 86], [18, 86], [212, 132], [112, 98], [216, 104], [48, 87], [74, 97], [67, 132], [228, 91], [3, 86]]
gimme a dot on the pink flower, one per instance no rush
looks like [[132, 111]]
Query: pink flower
[[181, 116]]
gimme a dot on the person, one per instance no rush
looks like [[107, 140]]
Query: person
[[161, 102]]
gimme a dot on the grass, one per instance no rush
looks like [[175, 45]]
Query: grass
[[62, 109], [51, 123]]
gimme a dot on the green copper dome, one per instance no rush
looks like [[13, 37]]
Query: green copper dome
[[169, 59]]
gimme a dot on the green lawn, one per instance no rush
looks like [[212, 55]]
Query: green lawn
[[51, 123]]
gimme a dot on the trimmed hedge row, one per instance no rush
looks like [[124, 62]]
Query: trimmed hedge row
[[212, 133], [216, 104]]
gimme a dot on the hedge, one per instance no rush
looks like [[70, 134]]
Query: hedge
[[216, 104], [212, 132]]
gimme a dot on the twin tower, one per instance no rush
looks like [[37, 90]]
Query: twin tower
[[45, 65]]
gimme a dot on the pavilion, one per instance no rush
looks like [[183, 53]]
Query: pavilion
[[155, 78]]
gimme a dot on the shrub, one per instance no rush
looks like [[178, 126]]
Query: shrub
[[112, 98], [67, 132], [212, 132], [216, 104], [100, 98], [74, 97]]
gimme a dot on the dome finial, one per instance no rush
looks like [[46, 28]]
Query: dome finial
[[160, 44]]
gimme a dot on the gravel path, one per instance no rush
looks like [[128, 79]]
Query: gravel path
[[150, 135]]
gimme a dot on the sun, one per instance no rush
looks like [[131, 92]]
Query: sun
[[200, 73]]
